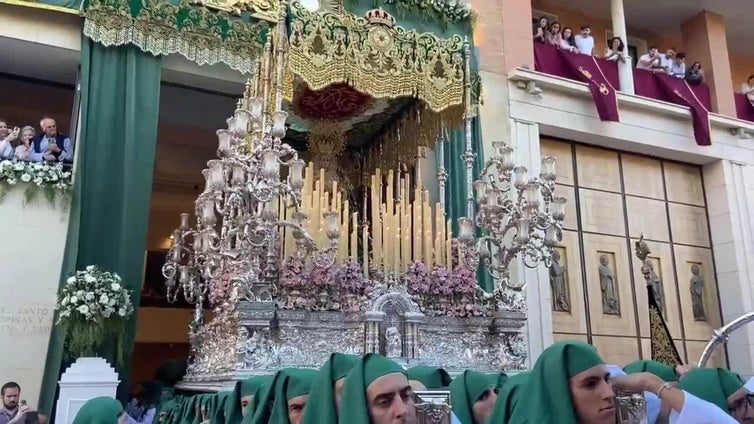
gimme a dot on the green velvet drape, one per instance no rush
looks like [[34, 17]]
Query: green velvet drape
[[120, 89]]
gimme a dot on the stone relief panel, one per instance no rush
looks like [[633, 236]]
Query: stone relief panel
[[662, 263], [648, 217], [572, 320], [610, 299], [646, 348], [697, 286], [617, 350], [642, 176], [695, 353], [602, 212], [608, 284], [689, 225], [570, 222], [598, 169], [684, 184], [562, 152], [560, 292]]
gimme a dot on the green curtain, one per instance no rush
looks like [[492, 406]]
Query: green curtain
[[120, 92]]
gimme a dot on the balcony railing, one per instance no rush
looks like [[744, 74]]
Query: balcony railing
[[549, 60]]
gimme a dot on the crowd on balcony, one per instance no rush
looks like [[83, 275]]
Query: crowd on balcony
[[671, 62], [26, 144]]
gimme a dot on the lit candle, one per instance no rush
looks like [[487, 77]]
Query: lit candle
[[354, 232]]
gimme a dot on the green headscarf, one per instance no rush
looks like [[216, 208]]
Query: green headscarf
[[286, 385], [501, 378], [430, 377], [354, 406], [465, 390], [220, 407], [100, 410], [507, 399], [714, 385], [320, 408], [665, 372], [547, 393], [243, 388], [256, 400]]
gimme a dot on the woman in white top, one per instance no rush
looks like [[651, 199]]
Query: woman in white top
[[615, 53], [553, 34], [566, 40], [7, 137], [747, 88], [24, 146]]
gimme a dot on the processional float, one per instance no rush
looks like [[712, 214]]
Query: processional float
[[296, 262]]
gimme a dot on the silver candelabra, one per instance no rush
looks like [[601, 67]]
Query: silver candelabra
[[518, 215], [238, 215]]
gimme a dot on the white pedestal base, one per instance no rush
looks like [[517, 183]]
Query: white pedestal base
[[86, 379]]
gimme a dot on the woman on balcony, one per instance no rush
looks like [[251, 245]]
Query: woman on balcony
[[615, 52], [23, 148], [695, 74], [539, 30], [7, 137], [565, 40]]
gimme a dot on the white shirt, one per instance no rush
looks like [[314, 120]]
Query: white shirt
[[585, 45], [66, 150], [644, 60], [6, 150], [746, 88], [698, 411], [677, 69], [665, 62]]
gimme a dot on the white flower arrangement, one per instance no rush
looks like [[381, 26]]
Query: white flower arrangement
[[53, 179], [92, 304]]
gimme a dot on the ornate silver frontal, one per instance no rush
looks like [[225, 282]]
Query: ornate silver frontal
[[263, 339]]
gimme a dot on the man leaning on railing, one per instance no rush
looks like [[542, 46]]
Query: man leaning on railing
[[51, 145]]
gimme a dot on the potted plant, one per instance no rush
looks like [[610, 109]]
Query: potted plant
[[93, 304]]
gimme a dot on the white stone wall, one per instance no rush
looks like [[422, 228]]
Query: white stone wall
[[31, 254]]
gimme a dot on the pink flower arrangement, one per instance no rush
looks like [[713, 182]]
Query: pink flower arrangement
[[350, 278], [418, 278]]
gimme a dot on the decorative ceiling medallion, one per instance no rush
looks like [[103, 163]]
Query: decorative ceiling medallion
[[337, 101]]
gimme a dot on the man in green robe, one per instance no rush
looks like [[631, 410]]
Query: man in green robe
[[665, 372], [324, 397], [285, 399], [377, 391], [722, 388], [472, 396], [243, 393]]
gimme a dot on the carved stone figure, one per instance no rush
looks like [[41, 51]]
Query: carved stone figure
[[697, 294], [393, 342], [610, 302], [657, 288], [560, 298]]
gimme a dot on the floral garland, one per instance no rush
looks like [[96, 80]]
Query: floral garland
[[93, 304], [51, 180]]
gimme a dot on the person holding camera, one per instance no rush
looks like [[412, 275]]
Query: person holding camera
[[15, 411]]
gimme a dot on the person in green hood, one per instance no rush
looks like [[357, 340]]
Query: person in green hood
[[472, 396], [285, 399], [377, 391], [101, 410], [721, 388], [665, 372], [508, 398], [570, 384], [243, 395], [429, 377], [324, 397]]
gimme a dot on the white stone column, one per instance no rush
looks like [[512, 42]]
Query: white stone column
[[525, 139], [729, 188], [625, 71]]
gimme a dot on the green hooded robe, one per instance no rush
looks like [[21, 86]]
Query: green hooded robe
[[100, 410], [547, 395], [287, 384], [466, 389], [430, 377], [354, 405], [508, 397], [714, 385], [320, 408], [665, 372], [246, 387]]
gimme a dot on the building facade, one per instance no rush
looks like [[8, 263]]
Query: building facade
[[644, 174]]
